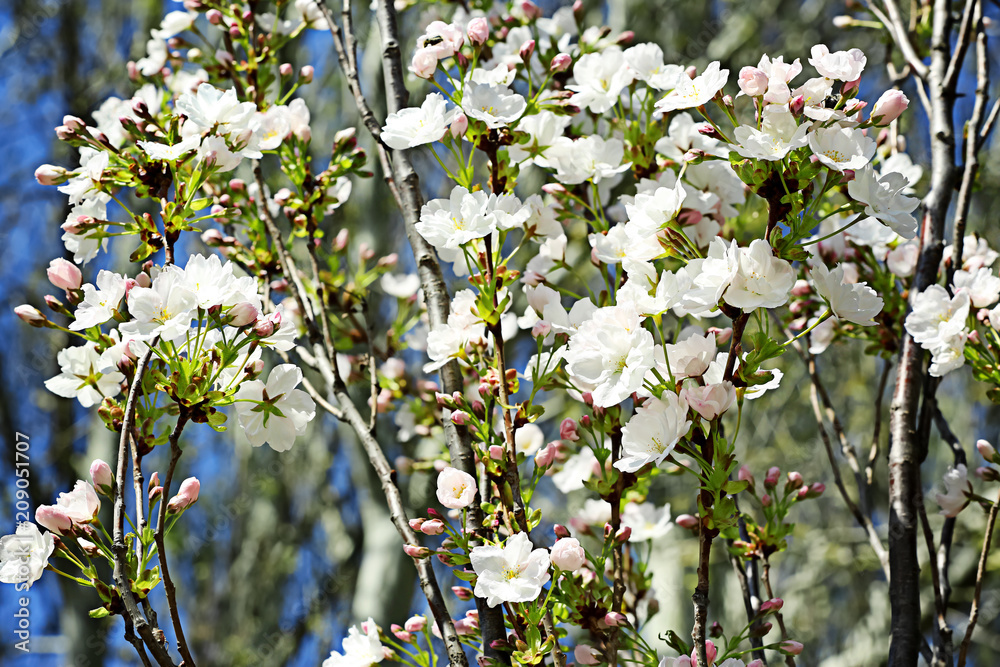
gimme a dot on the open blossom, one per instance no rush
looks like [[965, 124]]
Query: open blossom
[[937, 322], [982, 285], [780, 133], [600, 79], [854, 302], [646, 521], [956, 485], [842, 148], [653, 431], [611, 351], [163, 309], [453, 222], [455, 489], [842, 65], [762, 280], [779, 74], [99, 303], [25, 554], [80, 505], [691, 355], [884, 199], [85, 375], [413, 126], [210, 107], [693, 93], [512, 573], [362, 648], [588, 159], [497, 106], [710, 400], [645, 62], [275, 412], [168, 152]]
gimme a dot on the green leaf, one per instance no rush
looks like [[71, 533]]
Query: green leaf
[[100, 612]]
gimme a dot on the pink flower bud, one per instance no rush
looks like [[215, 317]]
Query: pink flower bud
[[459, 125], [567, 430], [264, 328], [889, 107], [49, 174], [424, 63], [214, 16], [613, 619], [765, 500], [478, 30], [623, 534], [567, 554], [31, 315], [414, 551], [416, 523], [774, 604], [460, 417], [306, 74], [432, 527], [560, 531], [101, 476], [547, 455], [242, 314], [794, 480], [415, 623], [791, 647], [496, 452], [187, 495], [461, 592], [155, 492], [561, 62], [797, 104], [753, 82], [756, 663], [850, 86], [400, 634], [744, 475], [73, 123], [687, 521], [541, 329], [772, 476], [286, 69], [986, 450], [526, 50]]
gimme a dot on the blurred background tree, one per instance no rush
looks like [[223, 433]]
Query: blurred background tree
[[290, 548]]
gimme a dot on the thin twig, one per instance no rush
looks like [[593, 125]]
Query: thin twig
[[980, 574], [122, 584], [168, 583], [877, 433], [900, 35], [766, 578]]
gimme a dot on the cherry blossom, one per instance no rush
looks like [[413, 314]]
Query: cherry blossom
[[511, 573]]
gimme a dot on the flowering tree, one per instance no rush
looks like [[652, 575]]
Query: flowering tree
[[624, 243]]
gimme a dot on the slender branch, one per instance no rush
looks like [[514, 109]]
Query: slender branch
[[425, 572], [900, 35], [877, 433], [863, 520], [941, 654], [948, 530], [972, 142], [136, 642], [766, 578], [980, 574], [161, 551], [746, 574], [617, 560], [904, 454], [122, 584]]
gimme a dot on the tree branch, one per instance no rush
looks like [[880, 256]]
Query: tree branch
[[134, 617], [161, 551], [980, 574]]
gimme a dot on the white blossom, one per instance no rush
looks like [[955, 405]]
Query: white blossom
[[653, 431], [511, 573], [693, 93], [275, 412], [416, 126], [25, 554]]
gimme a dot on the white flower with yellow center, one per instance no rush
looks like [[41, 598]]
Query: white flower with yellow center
[[696, 92], [842, 148], [511, 573], [653, 432]]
